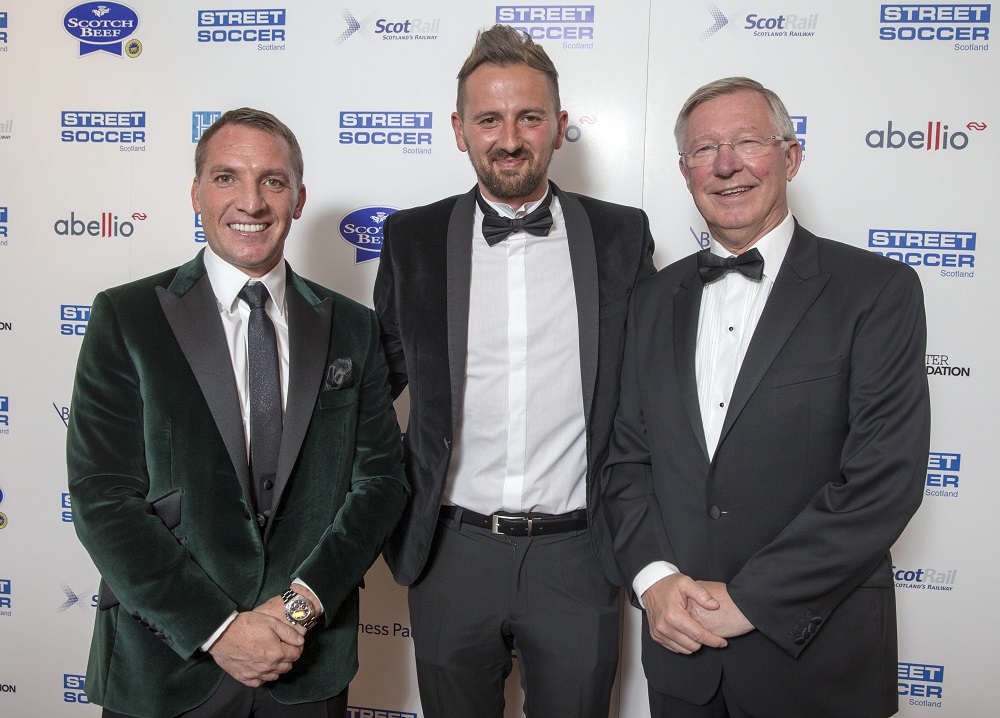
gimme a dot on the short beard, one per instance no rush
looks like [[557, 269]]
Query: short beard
[[508, 185]]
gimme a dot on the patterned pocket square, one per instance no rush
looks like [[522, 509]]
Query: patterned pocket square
[[340, 374]]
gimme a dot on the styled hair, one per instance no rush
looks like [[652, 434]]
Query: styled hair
[[504, 46], [249, 117], [728, 86]]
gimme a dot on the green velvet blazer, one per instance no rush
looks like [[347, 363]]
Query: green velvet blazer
[[155, 408]]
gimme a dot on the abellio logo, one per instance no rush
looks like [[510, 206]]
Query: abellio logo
[[362, 229], [109, 225], [937, 136], [103, 27]]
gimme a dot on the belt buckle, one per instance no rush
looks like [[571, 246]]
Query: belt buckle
[[498, 517]]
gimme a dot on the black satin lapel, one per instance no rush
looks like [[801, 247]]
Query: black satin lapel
[[583, 259], [789, 300], [194, 319], [687, 308], [308, 341], [459, 282]]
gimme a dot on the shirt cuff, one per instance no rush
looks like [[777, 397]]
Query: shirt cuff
[[649, 575], [319, 607], [218, 632]]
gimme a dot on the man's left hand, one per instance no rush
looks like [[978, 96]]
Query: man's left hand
[[727, 620]]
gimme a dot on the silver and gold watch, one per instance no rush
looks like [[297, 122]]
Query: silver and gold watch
[[299, 609]]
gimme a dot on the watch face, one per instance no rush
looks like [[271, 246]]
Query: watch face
[[298, 610]]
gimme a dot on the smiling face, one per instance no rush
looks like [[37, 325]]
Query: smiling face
[[740, 199], [248, 196], [510, 126]]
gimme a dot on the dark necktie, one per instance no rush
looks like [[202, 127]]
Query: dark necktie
[[497, 228], [711, 266], [265, 398]]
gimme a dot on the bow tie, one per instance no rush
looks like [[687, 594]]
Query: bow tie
[[711, 266], [497, 228]]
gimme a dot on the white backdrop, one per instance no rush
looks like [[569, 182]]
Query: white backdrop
[[96, 146]]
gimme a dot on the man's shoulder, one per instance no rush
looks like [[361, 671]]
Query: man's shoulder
[[599, 208], [441, 209], [146, 286], [856, 263], [316, 293]]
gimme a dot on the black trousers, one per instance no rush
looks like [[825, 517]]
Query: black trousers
[[484, 594], [722, 705], [235, 700]]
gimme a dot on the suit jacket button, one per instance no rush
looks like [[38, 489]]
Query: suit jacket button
[[268, 484], [714, 513]]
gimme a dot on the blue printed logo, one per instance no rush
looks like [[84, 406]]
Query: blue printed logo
[[362, 228], [201, 121], [101, 26]]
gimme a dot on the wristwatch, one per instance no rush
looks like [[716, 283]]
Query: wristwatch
[[299, 609]]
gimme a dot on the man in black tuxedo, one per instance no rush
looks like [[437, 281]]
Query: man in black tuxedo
[[234, 460], [770, 443], [504, 310]]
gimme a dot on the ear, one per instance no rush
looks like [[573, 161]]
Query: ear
[[561, 126], [793, 158], [194, 196], [456, 125], [300, 203]]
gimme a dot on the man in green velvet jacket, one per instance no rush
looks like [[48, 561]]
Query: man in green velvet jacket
[[217, 562]]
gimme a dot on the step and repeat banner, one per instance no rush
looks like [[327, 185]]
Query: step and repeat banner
[[895, 105]]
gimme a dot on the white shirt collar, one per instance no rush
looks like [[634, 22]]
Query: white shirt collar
[[227, 281], [507, 211], [772, 246]]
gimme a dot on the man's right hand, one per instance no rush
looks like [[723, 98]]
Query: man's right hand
[[256, 648], [666, 603]]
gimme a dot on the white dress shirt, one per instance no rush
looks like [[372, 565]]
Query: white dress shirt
[[730, 309], [227, 281], [520, 441]]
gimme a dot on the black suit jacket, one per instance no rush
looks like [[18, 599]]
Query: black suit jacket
[[155, 410], [820, 465], [422, 299]]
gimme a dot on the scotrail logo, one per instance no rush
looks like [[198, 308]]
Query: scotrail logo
[[362, 229], [573, 24], [410, 130], [965, 26], [922, 682], [104, 27], [952, 252], [6, 128], [201, 121], [925, 579], [378, 27], [266, 27], [943, 474], [766, 25]]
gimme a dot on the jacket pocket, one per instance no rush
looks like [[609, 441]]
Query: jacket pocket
[[808, 372]]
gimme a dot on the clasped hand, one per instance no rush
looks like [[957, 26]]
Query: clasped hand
[[259, 645], [685, 614]]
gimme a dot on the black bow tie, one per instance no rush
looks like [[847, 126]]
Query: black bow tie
[[712, 266], [497, 228]]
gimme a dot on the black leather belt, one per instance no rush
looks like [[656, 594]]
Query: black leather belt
[[520, 524]]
